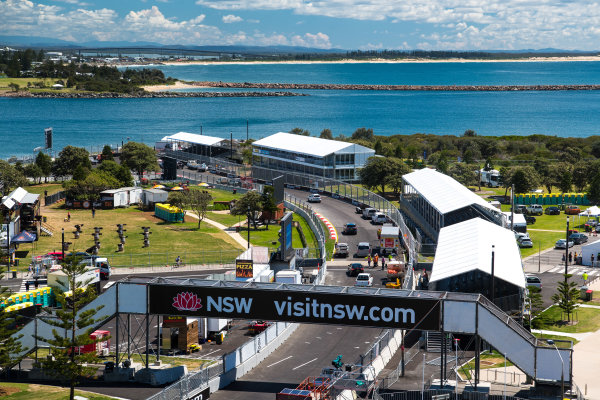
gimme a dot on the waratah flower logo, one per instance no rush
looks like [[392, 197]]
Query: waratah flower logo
[[187, 301]]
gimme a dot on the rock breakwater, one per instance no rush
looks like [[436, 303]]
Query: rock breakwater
[[449, 88], [111, 95]]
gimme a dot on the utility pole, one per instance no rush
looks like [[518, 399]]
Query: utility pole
[[247, 130], [512, 207], [248, 226], [567, 252], [492, 289]]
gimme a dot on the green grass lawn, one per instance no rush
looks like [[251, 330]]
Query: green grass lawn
[[225, 219], [40, 188], [329, 242], [588, 320], [167, 240], [489, 360], [270, 237], [219, 194], [192, 364], [24, 391], [556, 337]]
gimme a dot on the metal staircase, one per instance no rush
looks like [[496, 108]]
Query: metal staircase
[[46, 229], [434, 342]]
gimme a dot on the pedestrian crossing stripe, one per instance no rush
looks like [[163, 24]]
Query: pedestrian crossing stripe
[[575, 271]]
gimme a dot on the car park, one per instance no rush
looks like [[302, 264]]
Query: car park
[[354, 269], [572, 210], [578, 238], [350, 229], [529, 219], [562, 244], [341, 250], [552, 211], [533, 280], [314, 198], [364, 279]]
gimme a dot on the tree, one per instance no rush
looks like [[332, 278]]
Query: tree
[[250, 203], [442, 162], [326, 134], [107, 153], [378, 147], [90, 187], [44, 161], [195, 200], [268, 202], [9, 339], [394, 180], [363, 134], [375, 173], [566, 296], [14, 86], [536, 305], [67, 363], [80, 173], [139, 158], [398, 152], [581, 174], [469, 133], [564, 177], [546, 174], [300, 131], [506, 174], [33, 171], [120, 172], [69, 159], [464, 173], [10, 177], [524, 179], [594, 188]]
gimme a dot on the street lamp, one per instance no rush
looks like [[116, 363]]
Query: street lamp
[[456, 364], [567, 252], [562, 368], [62, 249], [248, 214]]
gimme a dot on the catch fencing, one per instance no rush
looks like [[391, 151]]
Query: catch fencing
[[443, 394], [221, 182], [306, 212], [190, 385], [55, 197], [409, 354]]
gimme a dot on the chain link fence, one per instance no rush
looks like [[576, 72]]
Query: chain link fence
[[190, 385]]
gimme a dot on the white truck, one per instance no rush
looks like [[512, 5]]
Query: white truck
[[288, 276], [489, 178]]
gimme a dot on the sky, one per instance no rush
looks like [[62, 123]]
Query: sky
[[343, 24]]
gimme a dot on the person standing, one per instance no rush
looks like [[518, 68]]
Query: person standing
[[68, 216], [570, 257], [585, 278], [592, 257], [382, 263], [93, 212], [369, 261]]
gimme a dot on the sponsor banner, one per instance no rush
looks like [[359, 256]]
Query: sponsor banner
[[203, 395], [244, 269], [296, 306]]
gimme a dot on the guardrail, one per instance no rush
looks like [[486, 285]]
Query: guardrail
[[313, 221], [190, 384]]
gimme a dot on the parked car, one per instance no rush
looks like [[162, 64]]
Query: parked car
[[578, 238], [314, 198], [529, 219], [552, 211], [350, 229], [520, 236], [535, 209], [341, 250], [572, 210], [562, 244], [525, 243], [354, 269], [533, 280], [192, 164], [358, 210], [364, 279], [378, 219], [520, 209], [363, 250]]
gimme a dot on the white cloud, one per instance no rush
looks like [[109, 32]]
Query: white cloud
[[318, 40], [230, 19], [499, 23]]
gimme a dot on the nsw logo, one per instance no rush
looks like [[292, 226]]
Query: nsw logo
[[186, 301]]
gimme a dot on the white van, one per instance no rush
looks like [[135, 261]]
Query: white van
[[369, 212], [363, 250], [378, 219]]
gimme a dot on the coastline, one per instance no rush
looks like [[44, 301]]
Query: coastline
[[385, 61], [163, 88]]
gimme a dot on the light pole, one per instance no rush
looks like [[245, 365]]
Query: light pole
[[423, 377], [504, 392], [562, 368], [456, 364], [248, 214], [492, 287], [63, 245], [567, 252]]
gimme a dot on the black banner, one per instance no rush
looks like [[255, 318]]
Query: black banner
[[244, 269], [296, 306]]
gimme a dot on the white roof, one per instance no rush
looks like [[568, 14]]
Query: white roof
[[443, 192], [593, 211], [519, 218], [467, 246], [16, 196], [194, 138], [390, 230], [308, 145]]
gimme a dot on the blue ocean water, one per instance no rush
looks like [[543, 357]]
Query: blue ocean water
[[87, 122]]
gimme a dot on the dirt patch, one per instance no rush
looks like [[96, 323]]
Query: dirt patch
[[492, 360], [7, 391], [486, 363]]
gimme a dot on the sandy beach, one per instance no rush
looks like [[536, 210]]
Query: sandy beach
[[162, 88], [386, 61]]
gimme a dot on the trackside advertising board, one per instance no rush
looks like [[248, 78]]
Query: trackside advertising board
[[296, 306]]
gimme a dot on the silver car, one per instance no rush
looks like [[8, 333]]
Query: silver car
[[562, 244]]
